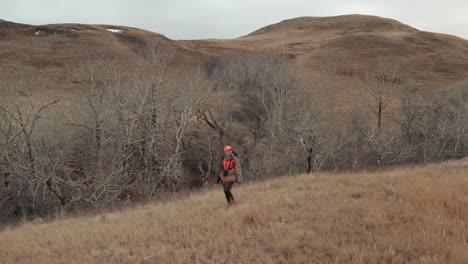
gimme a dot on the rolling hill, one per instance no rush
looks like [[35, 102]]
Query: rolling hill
[[412, 214], [352, 43]]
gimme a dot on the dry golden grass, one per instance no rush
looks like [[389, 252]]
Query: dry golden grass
[[319, 218]]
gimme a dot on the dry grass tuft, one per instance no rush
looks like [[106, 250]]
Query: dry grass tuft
[[249, 216], [286, 247], [356, 192], [103, 219]]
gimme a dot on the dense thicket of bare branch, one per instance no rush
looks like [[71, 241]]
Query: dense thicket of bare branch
[[131, 132]]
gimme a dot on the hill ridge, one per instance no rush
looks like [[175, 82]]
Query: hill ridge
[[342, 22], [426, 58]]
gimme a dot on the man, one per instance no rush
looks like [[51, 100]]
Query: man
[[230, 173]]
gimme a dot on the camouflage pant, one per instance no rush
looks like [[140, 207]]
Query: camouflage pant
[[227, 191]]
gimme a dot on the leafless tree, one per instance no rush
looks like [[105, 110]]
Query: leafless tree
[[443, 126], [190, 97], [25, 171], [375, 90], [410, 110], [458, 97]]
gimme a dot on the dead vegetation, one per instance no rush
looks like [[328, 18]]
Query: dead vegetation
[[119, 129], [302, 219], [136, 133]]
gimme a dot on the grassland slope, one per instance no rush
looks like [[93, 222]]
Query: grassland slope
[[403, 215]]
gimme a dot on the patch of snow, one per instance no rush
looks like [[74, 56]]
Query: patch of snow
[[72, 30], [37, 33], [113, 30]]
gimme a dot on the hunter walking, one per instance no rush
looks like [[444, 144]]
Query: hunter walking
[[230, 173]]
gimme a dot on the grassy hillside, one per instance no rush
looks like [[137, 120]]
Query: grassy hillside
[[319, 218], [351, 43]]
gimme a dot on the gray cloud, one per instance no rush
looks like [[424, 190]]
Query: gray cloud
[[201, 19]]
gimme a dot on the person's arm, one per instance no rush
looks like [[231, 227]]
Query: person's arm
[[238, 169]]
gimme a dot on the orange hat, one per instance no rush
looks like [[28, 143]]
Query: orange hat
[[227, 148]]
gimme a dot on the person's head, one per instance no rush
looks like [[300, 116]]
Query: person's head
[[228, 150]]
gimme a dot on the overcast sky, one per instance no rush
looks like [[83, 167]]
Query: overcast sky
[[203, 19]]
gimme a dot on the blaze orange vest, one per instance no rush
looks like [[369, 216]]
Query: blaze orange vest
[[228, 166]]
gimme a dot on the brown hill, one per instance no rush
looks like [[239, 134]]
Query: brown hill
[[358, 42], [50, 50], [351, 42]]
